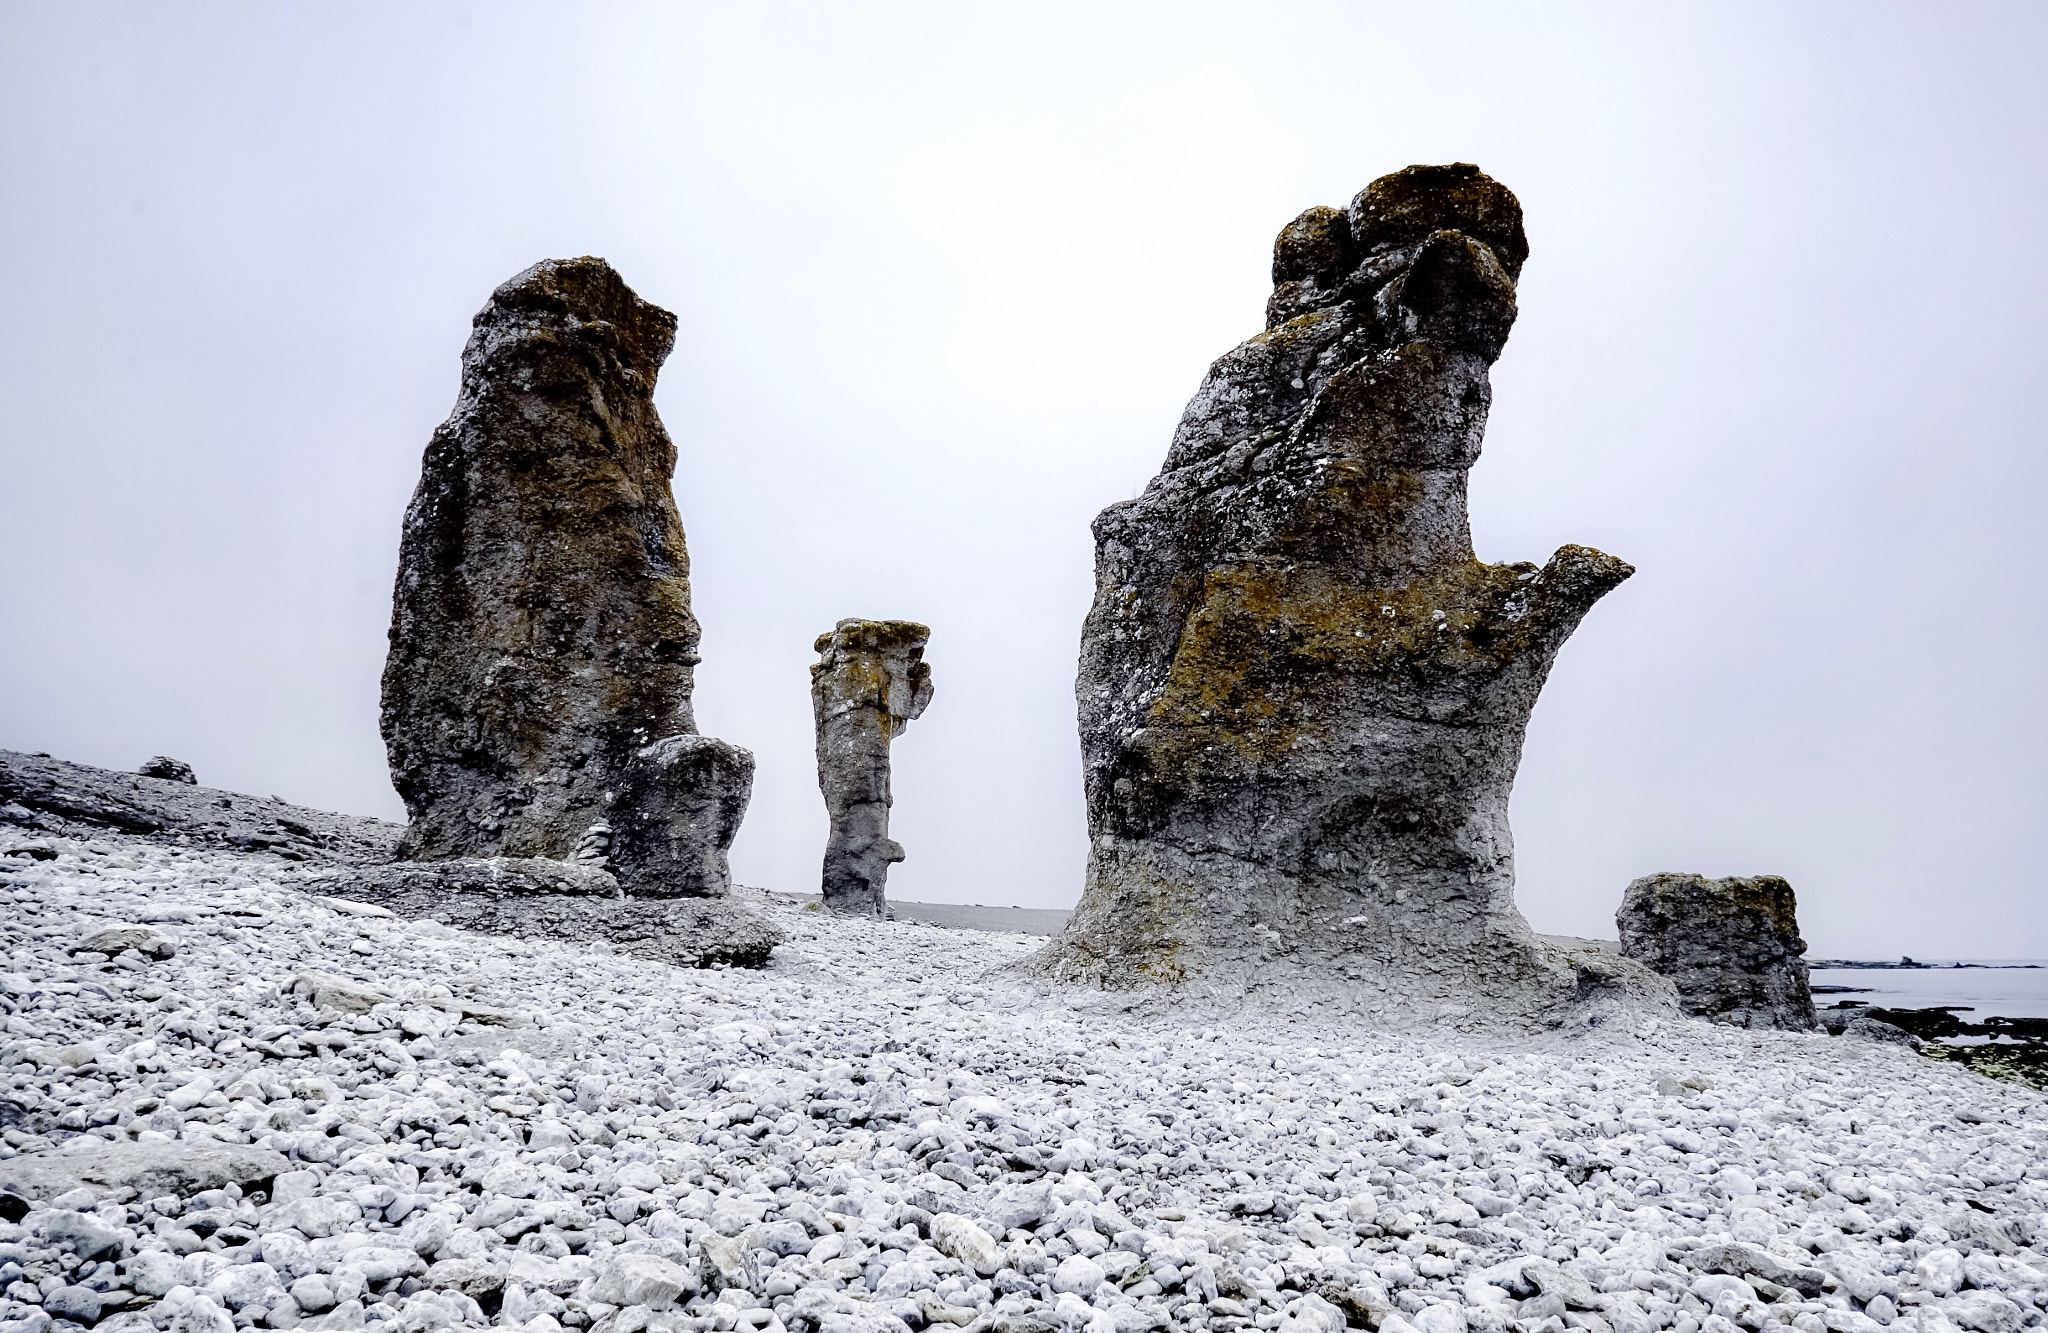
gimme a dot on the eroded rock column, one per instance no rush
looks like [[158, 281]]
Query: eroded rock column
[[1731, 946], [1302, 698], [870, 681], [542, 644]]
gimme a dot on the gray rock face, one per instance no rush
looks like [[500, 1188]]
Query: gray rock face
[[1732, 946], [1302, 699], [57, 796], [541, 635], [870, 682], [536, 898], [677, 813], [169, 769]]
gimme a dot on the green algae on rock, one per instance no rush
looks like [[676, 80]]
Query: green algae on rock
[[1302, 698]]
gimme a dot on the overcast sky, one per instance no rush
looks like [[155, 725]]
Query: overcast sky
[[946, 276]]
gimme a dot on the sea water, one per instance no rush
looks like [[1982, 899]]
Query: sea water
[[2009, 991]]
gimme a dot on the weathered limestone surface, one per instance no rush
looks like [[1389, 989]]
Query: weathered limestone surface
[[678, 810], [559, 900], [541, 635], [1732, 946], [1302, 698], [57, 796], [870, 681]]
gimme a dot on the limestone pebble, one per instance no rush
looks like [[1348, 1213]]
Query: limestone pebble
[[309, 1116]]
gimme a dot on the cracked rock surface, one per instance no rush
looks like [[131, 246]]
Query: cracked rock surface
[[542, 644], [312, 1115], [870, 682], [1302, 698], [1731, 946]]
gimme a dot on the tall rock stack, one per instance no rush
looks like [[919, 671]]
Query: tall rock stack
[[1302, 699], [1731, 946], [869, 683], [537, 692]]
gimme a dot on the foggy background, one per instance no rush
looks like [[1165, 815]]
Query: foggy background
[[946, 276]]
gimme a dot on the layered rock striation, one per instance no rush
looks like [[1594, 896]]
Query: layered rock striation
[[56, 796], [869, 683], [1731, 946], [542, 645], [1302, 698]]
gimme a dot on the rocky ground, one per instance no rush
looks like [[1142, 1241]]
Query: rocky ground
[[230, 1102]]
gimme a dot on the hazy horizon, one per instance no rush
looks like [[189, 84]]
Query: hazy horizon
[[945, 279]]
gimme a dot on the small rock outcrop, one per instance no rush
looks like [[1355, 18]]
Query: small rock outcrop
[[542, 645], [1731, 946], [1302, 698], [57, 796], [169, 769], [535, 898], [870, 681]]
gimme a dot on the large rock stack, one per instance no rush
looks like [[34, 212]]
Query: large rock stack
[[1302, 698], [1731, 946], [537, 693], [870, 682]]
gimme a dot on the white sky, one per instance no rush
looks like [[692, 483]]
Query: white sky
[[947, 275]]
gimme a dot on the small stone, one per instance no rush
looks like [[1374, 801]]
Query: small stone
[[84, 1234], [316, 1217], [191, 1094], [153, 1272], [958, 1238], [313, 1293], [1078, 1274], [169, 769], [638, 1279], [1940, 1271], [246, 1284], [382, 1264], [111, 940], [78, 1304], [291, 1185], [724, 1262], [328, 991], [1876, 1029]]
